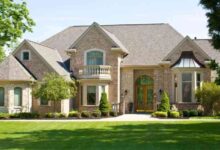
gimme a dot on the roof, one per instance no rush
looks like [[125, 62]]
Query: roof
[[206, 45], [11, 69], [147, 44], [52, 57]]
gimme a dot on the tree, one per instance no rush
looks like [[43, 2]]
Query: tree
[[14, 22], [2, 54], [209, 96], [104, 105], [54, 88], [213, 14], [165, 103]]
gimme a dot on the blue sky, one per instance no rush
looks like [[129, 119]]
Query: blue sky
[[52, 16]]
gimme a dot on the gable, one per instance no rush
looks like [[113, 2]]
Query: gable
[[186, 45], [93, 38], [35, 65]]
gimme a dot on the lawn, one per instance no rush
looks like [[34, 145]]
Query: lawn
[[110, 135]]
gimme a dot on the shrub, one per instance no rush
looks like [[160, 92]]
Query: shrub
[[105, 114], [160, 114], [55, 115], [209, 96], [185, 113], [174, 114], [174, 108], [113, 113], [85, 114], [4, 115], [74, 114], [96, 113], [165, 103], [49, 115], [16, 115], [104, 105], [193, 113], [200, 113], [28, 115]]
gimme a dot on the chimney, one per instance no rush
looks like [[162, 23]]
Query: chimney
[[195, 38]]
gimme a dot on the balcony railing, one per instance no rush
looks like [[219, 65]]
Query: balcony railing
[[95, 71]]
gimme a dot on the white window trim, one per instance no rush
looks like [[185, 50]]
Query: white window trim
[[22, 58], [3, 96], [98, 93], [179, 73], [94, 49]]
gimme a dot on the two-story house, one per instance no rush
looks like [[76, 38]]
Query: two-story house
[[132, 63]]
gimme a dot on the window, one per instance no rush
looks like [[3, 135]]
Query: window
[[102, 89], [198, 80], [187, 87], [91, 95], [94, 58], [25, 55], [17, 96], [2, 96], [44, 102]]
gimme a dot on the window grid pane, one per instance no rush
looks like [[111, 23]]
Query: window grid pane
[[2, 96], [25, 55], [95, 58], [91, 95], [17, 96], [186, 87]]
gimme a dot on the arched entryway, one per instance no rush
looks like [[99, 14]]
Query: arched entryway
[[144, 94]]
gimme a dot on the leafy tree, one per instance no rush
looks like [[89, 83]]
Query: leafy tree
[[104, 105], [2, 54], [165, 103], [54, 88], [209, 96], [213, 14], [14, 21], [213, 65]]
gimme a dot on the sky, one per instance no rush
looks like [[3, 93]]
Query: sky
[[52, 16]]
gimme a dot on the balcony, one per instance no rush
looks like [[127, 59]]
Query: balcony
[[95, 72]]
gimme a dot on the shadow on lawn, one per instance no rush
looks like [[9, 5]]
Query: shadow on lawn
[[122, 136]]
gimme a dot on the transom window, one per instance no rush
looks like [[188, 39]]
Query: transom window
[[2, 96], [25, 55], [17, 96], [94, 58]]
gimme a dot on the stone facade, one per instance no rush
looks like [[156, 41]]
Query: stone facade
[[9, 97]]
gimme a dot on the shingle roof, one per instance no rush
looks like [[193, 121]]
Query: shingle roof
[[11, 69], [147, 43], [52, 57], [206, 45]]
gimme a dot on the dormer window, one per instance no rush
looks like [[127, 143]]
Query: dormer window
[[25, 55]]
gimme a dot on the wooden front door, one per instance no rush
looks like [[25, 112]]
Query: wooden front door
[[144, 94]]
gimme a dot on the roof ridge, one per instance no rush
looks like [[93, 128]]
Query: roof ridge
[[128, 24], [40, 44]]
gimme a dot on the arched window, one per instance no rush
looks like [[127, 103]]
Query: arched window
[[2, 96], [17, 96], [94, 58]]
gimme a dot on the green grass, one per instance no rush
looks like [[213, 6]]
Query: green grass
[[206, 117], [110, 135]]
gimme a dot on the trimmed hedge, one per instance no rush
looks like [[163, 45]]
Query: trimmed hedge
[[160, 114], [55, 115], [4, 115], [192, 113], [174, 114], [85, 114], [96, 113], [74, 114], [113, 113]]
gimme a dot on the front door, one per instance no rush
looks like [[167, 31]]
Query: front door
[[144, 94]]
